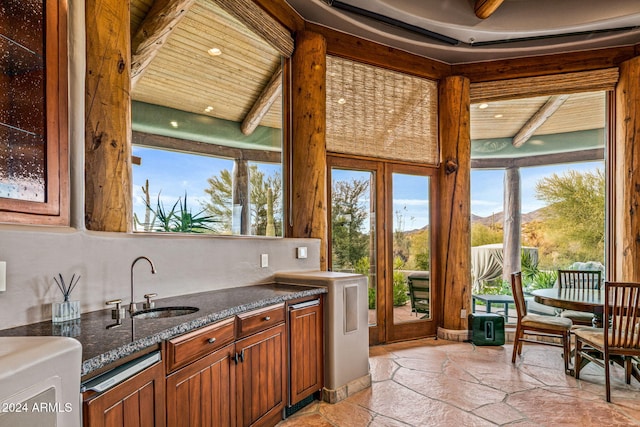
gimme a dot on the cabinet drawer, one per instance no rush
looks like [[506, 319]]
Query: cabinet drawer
[[189, 347], [258, 320]]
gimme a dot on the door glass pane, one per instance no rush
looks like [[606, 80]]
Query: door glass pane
[[22, 101], [411, 248], [353, 234]]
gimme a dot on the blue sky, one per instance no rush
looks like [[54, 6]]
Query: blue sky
[[174, 173]]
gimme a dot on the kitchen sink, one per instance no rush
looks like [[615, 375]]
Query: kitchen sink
[[159, 312]]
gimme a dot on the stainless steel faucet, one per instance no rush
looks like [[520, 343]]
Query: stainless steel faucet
[[132, 305]]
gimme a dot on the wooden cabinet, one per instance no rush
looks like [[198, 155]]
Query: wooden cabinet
[[137, 401], [240, 384], [261, 377], [305, 349], [202, 393]]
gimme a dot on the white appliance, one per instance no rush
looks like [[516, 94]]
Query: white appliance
[[40, 381], [346, 355]]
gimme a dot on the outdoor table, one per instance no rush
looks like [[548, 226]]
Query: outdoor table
[[505, 300], [589, 300]]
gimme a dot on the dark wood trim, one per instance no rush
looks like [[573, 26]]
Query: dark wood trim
[[544, 65], [541, 160], [182, 145], [361, 50], [282, 12], [55, 209]]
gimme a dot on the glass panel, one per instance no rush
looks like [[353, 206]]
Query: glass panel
[[411, 248], [22, 101], [353, 231], [180, 192], [226, 103]]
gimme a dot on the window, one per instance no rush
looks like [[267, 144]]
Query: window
[[207, 126], [33, 96]]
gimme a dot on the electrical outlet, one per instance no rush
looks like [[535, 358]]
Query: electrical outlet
[[264, 260], [463, 314], [301, 252], [3, 276]]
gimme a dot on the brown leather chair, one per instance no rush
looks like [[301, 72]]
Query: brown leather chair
[[621, 341], [538, 326]]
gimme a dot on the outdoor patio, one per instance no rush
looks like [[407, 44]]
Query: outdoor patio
[[442, 383]]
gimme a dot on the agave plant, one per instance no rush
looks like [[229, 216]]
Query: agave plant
[[180, 219]]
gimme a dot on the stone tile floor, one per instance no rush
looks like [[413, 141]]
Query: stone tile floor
[[442, 383]]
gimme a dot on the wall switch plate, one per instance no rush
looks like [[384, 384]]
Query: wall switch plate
[[463, 314], [264, 260], [3, 276], [301, 252]]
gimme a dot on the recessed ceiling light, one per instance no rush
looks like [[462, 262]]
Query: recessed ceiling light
[[483, 106], [208, 109], [390, 111], [214, 51], [498, 116], [174, 123], [342, 101]]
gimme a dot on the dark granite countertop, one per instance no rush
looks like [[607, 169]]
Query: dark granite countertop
[[102, 346]]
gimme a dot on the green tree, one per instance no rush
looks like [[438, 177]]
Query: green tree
[[220, 204], [575, 215], [349, 243], [483, 235], [260, 186]]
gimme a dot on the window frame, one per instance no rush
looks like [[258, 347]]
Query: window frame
[[55, 209]]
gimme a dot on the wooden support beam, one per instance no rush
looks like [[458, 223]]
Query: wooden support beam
[[540, 160], [452, 261], [241, 198], [485, 8], [309, 155], [542, 115], [261, 107], [625, 174], [108, 199], [185, 146], [512, 222], [162, 19]]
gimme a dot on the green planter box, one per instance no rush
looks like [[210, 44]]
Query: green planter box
[[486, 329]]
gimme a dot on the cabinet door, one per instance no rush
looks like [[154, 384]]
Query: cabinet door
[[306, 349], [138, 401], [261, 377], [202, 394]]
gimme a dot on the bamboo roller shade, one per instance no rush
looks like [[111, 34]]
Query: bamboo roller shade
[[379, 113], [261, 23], [584, 81]]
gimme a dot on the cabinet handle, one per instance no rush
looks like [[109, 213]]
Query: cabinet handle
[[235, 358], [211, 340], [242, 356], [267, 318]]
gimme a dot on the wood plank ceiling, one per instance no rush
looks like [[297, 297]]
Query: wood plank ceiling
[[186, 77]]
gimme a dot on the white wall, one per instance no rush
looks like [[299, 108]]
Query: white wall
[[185, 264]]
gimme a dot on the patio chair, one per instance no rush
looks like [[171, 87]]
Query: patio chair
[[620, 340], [419, 293], [545, 327], [581, 281]]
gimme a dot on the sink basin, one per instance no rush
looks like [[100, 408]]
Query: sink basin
[[158, 312]]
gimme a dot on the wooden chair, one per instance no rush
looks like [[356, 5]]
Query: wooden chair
[[537, 325], [621, 339], [580, 281], [419, 293]]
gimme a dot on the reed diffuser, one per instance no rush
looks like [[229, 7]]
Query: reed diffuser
[[66, 310]]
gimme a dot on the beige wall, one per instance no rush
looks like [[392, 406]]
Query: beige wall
[[186, 264]]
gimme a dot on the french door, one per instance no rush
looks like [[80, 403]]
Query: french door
[[380, 227]]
